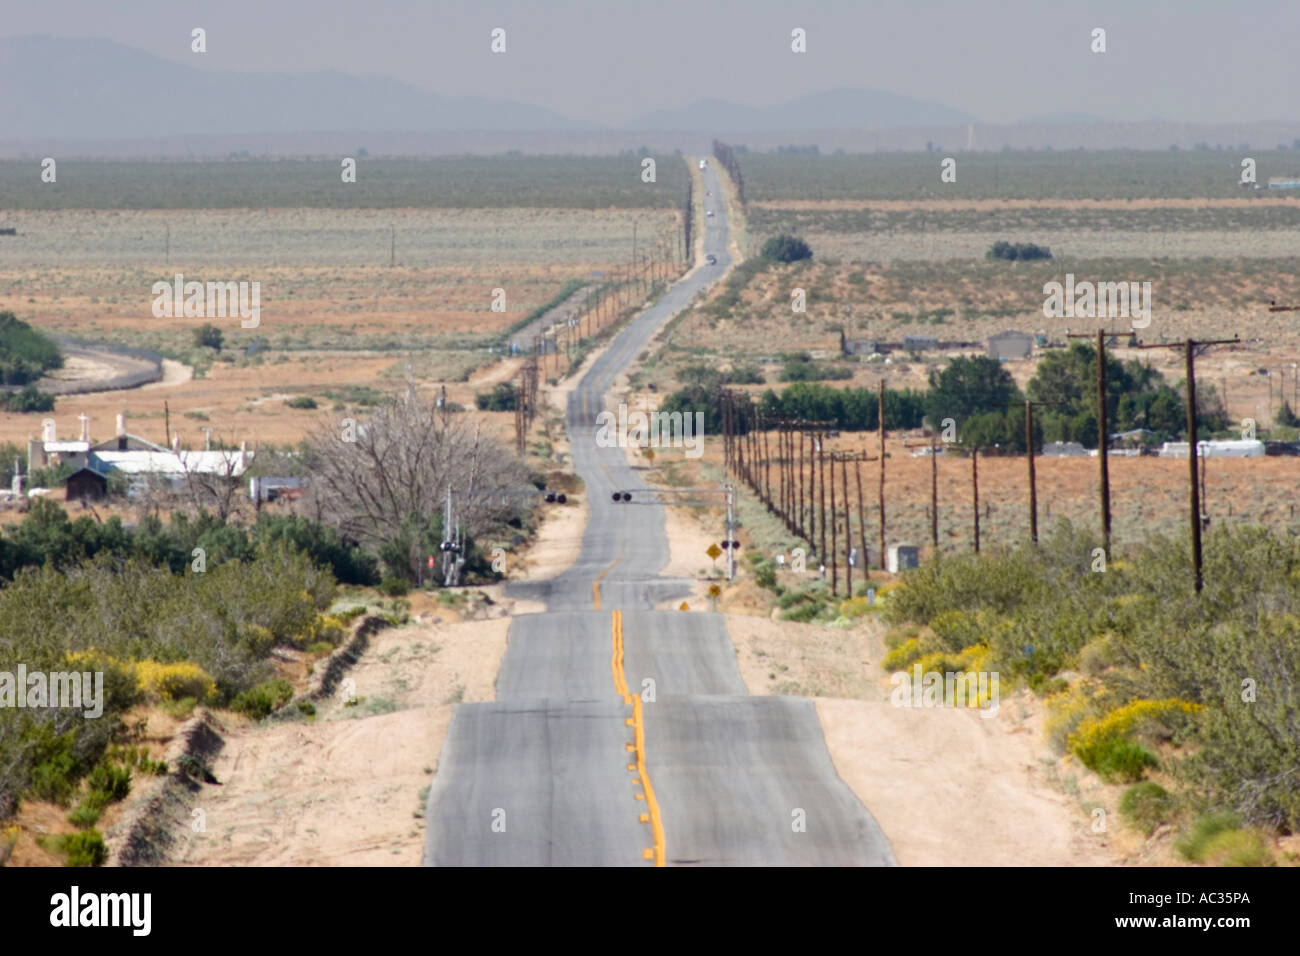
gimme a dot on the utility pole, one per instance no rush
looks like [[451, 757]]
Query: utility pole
[[835, 550], [934, 491], [1103, 429], [844, 458], [848, 527], [975, 492], [1194, 498], [880, 421], [1029, 454], [821, 487], [803, 525], [934, 497]]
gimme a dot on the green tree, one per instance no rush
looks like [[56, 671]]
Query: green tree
[[25, 353], [967, 386]]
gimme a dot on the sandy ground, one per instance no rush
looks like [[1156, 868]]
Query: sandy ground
[[346, 789], [174, 373], [949, 787]]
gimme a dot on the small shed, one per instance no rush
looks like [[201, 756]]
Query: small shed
[[902, 557], [87, 484], [1010, 345], [859, 346]]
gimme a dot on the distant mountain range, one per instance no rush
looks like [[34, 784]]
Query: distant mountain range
[[834, 109], [97, 89], [92, 89]]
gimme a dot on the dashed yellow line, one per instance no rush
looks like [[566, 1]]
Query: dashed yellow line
[[595, 585], [642, 778], [616, 658]]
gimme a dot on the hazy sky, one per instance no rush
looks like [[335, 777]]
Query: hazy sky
[[1001, 60]]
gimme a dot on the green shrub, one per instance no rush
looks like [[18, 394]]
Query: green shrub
[[1146, 805], [85, 849], [1235, 848], [785, 248], [1118, 760], [264, 699], [302, 401], [55, 765], [803, 613], [500, 399], [111, 780], [179, 709], [208, 336], [1217, 833], [1012, 251], [394, 586], [765, 576], [29, 399], [85, 816]]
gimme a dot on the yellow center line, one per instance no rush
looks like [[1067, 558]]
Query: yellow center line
[[656, 824], [643, 776]]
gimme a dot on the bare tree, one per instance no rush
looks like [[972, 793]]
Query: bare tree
[[214, 487], [369, 477]]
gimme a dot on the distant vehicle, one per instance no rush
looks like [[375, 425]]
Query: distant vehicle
[[709, 214], [703, 164], [711, 259]]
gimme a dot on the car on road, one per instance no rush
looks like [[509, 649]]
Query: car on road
[[711, 259], [709, 214], [703, 163]]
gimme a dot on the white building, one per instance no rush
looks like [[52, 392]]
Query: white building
[[1214, 449]]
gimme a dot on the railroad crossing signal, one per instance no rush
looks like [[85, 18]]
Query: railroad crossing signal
[[730, 544], [556, 498], [622, 496]]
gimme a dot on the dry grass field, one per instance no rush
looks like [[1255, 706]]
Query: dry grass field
[[337, 323]]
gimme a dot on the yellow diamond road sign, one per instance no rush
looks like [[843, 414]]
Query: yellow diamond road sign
[[684, 607]]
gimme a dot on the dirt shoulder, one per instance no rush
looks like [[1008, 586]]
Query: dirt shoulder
[[347, 788]]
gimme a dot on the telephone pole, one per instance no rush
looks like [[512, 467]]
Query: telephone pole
[[880, 422], [1029, 454], [934, 489], [1103, 428], [1194, 498]]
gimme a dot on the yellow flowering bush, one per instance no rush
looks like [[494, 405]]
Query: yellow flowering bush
[[174, 681]]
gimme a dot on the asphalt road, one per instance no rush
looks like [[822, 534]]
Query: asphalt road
[[625, 736]]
